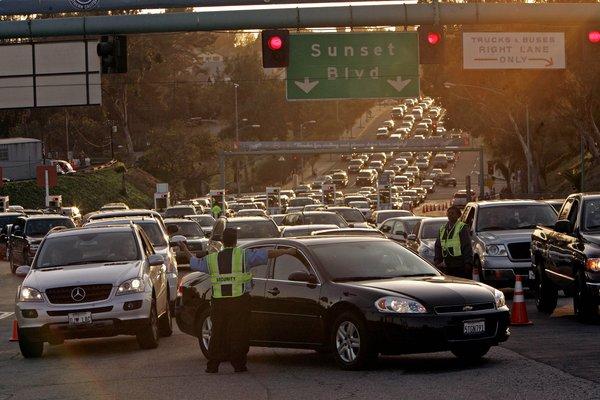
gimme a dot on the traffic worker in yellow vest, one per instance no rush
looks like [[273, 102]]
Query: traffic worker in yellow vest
[[453, 251], [230, 301]]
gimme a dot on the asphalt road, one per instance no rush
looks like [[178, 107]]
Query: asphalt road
[[555, 358]]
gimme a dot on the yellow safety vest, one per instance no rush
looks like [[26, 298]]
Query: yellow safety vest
[[451, 244], [236, 279]]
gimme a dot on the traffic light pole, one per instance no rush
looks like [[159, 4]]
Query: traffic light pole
[[335, 15]]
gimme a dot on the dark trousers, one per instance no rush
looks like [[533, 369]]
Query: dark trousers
[[456, 266], [229, 337]]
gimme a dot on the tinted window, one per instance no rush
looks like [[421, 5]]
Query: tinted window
[[255, 229], [591, 214], [387, 215], [179, 212], [515, 217], [87, 248], [325, 218], [301, 201], [431, 229], [370, 259], [205, 221], [351, 215], [40, 227], [8, 220], [285, 265], [188, 229]]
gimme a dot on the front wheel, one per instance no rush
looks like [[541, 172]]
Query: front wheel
[[586, 309], [546, 294], [30, 349], [148, 337], [471, 352], [204, 331], [351, 345]]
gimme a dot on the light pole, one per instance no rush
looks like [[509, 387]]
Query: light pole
[[311, 122], [237, 137], [529, 158]]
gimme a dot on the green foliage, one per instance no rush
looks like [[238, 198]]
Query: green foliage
[[88, 191]]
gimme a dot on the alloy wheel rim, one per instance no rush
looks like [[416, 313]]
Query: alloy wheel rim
[[347, 341], [206, 331]]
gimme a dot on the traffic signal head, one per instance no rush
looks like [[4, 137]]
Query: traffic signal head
[[431, 44], [112, 51], [590, 48], [275, 48]]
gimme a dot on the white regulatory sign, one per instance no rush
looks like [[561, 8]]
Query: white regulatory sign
[[513, 50]]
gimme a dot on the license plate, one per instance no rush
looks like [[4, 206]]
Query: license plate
[[81, 318], [473, 327], [531, 275]]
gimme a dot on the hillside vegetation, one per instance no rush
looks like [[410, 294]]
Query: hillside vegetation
[[88, 191]]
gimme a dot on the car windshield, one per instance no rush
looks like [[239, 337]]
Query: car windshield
[[301, 201], [591, 212], [40, 227], [515, 216], [255, 229], [179, 211], [382, 216], [8, 220], [87, 248], [205, 221], [365, 260], [359, 204], [351, 215], [430, 229], [188, 229], [325, 219]]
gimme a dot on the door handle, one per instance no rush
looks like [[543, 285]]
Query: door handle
[[274, 291]]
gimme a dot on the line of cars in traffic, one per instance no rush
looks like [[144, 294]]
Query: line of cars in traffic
[[351, 290]]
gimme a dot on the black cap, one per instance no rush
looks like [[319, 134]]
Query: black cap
[[230, 235]]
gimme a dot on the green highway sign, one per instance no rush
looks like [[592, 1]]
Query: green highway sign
[[364, 65]]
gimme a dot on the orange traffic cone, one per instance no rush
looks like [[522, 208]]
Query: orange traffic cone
[[475, 273], [15, 331], [519, 309]]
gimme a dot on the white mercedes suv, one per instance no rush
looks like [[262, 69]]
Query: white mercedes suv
[[93, 282]]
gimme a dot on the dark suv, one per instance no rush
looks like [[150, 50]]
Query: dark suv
[[26, 234]]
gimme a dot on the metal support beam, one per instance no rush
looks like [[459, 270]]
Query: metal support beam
[[332, 15], [15, 7]]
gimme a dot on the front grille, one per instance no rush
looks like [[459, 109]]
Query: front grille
[[461, 308], [63, 295], [520, 251], [91, 310]]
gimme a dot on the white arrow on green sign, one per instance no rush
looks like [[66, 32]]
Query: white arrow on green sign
[[369, 65]]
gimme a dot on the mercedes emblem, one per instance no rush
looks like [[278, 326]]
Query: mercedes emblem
[[78, 294]]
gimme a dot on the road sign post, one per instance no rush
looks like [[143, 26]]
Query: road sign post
[[368, 65]]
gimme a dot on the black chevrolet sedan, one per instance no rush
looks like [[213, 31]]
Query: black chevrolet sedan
[[356, 297]]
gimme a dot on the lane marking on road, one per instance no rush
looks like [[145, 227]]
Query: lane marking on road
[[5, 314]]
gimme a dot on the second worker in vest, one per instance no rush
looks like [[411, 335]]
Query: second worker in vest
[[230, 303], [453, 252]]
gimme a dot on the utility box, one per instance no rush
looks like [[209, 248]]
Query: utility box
[[54, 202], [4, 203], [162, 201]]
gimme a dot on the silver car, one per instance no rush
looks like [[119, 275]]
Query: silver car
[[93, 282], [501, 237]]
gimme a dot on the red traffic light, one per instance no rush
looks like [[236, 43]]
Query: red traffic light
[[594, 36], [275, 43], [433, 38]]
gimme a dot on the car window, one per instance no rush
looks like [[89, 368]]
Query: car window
[[255, 229], [387, 226], [431, 229], [286, 264], [399, 228], [260, 271]]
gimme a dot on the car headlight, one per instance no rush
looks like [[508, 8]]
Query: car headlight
[[30, 294], [134, 285], [499, 297], [399, 305], [495, 250], [593, 264]]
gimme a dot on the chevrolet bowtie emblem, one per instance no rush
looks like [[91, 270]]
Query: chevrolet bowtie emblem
[[468, 308]]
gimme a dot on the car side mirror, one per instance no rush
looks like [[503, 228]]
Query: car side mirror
[[22, 271], [155, 260], [175, 240], [412, 237], [563, 226], [302, 277]]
